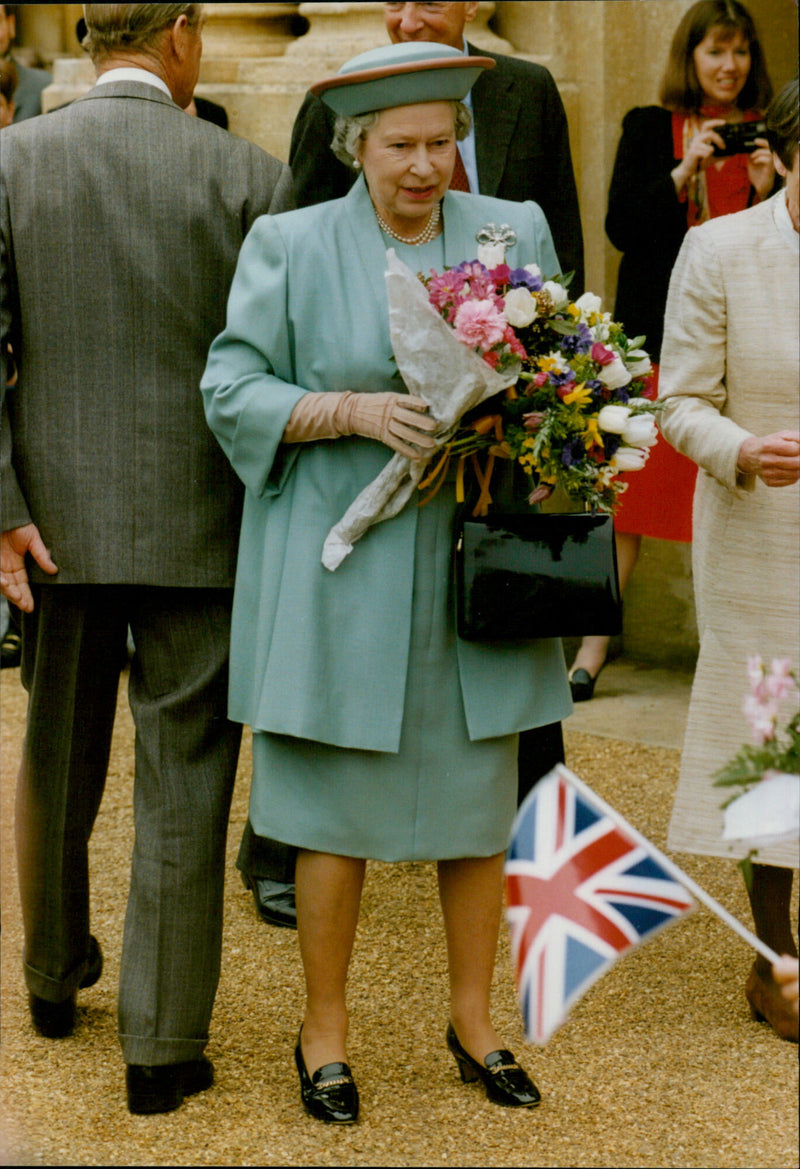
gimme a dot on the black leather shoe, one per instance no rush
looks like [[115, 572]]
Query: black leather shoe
[[502, 1077], [331, 1093], [10, 650], [52, 1020], [274, 900], [94, 963], [57, 1020], [581, 684], [162, 1088]]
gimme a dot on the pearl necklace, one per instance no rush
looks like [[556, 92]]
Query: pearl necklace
[[424, 237]]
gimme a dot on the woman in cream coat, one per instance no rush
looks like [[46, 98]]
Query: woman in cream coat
[[729, 375], [377, 733]]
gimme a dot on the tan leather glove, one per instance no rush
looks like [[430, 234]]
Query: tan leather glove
[[398, 420]]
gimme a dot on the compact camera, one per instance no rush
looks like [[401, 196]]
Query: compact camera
[[740, 138]]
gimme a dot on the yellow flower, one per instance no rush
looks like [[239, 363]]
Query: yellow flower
[[591, 435], [579, 395]]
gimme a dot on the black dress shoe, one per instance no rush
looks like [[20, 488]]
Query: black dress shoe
[[10, 650], [274, 900], [162, 1088], [331, 1093], [502, 1077], [581, 684], [53, 1020], [57, 1020], [94, 963]]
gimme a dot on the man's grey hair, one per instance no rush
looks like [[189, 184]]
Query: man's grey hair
[[350, 132], [111, 28]]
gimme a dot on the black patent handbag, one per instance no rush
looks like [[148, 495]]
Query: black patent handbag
[[537, 574]]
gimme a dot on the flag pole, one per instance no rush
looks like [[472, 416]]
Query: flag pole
[[679, 875]]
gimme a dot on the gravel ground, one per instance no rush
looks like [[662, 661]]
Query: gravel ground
[[659, 1065]]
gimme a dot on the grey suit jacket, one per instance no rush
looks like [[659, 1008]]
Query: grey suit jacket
[[521, 148], [121, 220]]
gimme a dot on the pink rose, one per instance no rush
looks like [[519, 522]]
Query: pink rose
[[479, 323]]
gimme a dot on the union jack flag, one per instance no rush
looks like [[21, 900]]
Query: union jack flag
[[582, 888]]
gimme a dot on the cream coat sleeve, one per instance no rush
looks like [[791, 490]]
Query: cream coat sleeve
[[694, 358]]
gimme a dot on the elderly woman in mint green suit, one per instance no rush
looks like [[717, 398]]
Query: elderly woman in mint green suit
[[377, 732]]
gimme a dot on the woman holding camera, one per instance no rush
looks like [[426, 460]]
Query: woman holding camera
[[696, 156]]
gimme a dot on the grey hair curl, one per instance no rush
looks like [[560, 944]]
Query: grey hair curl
[[131, 27], [349, 132]]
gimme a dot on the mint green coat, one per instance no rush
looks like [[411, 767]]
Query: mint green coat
[[315, 654]]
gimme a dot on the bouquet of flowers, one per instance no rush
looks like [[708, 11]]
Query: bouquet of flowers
[[769, 769], [581, 408]]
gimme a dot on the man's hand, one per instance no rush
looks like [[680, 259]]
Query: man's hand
[[14, 544], [775, 458]]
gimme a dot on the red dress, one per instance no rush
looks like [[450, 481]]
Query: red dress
[[658, 501]]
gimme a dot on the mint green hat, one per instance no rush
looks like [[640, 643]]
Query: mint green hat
[[401, 75]]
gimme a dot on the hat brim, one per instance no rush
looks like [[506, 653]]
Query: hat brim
[[386, 86]]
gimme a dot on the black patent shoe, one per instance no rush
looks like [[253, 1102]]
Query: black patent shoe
[[57, 1020], [581, 685], [331, 1093], [162, 1087], [502, 1077]]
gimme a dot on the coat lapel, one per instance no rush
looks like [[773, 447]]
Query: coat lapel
[[462, 219], [495, 106], [365, 243]]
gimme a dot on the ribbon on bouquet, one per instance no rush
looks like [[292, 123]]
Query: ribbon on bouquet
[[436, 477]]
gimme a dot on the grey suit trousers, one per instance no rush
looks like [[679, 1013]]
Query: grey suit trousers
[[74, 646]]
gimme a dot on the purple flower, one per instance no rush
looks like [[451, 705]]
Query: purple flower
[[573, 452], [520, 278], [578, 342]]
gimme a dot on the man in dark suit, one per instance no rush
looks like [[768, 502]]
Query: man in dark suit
[[519, 150], [121, 221]]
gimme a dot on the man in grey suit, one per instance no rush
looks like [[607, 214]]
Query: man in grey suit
[[121, 219]]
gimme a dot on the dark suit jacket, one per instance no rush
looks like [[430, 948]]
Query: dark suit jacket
[[646, 221], [121, 221], [521, 147]]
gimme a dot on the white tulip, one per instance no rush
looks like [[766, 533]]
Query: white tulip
[[588, 304], [614, 375], [520, 307], [613, 419], [533, 269], [641, 430], [629, 458], [557, 292], [640, 361]]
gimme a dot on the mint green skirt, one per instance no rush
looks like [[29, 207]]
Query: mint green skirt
[[440, 796]]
